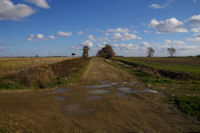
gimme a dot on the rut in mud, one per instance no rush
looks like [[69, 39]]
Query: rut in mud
[[106, 100]]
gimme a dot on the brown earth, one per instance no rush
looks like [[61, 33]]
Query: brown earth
[[79, 111]]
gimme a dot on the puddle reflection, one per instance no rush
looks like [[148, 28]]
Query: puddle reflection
[[100, 91], [92, 98], [58, 91]]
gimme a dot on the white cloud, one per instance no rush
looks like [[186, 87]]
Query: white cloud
[[157, 6], [91, 38], [145, 44], [80, 32], [9, 11], [196, 38], [124, 37], [196, 29], [195, 20], [118, 30], [51, 37], [120, 34], [87, 43], [174, 42], [39, 3], [125, 46], [64, 34], [38, 37], [168, 26]]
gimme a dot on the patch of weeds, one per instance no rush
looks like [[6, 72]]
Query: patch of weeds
[[10, 85], [142, 76], [188, 104]]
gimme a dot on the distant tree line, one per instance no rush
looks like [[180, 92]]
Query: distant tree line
[[108, 53], [151, 51]]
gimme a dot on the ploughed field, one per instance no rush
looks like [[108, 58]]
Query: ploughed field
[[97, 96]]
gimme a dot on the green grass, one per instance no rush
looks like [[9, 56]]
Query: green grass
[[10, 85], [189, 65], [185, 95], [188, 104]]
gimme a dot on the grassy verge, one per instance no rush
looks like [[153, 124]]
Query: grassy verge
[[184, 94], [174, 68], [46, 76]]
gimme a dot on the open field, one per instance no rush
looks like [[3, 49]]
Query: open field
[[13, 65], [41, 72], [185, 94], [190, 66], [109, 97]]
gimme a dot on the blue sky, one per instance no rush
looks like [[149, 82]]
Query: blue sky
[[60, 27]]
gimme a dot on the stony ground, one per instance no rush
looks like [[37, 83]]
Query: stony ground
[[106, 100]]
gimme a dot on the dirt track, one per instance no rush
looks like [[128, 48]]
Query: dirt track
[[76, 109]]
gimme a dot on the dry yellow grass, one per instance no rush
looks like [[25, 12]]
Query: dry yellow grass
[[13, 65]]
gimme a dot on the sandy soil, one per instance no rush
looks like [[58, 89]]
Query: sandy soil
[[94, 105]]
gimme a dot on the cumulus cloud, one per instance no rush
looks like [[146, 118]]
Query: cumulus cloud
[[196, 29], [39, 3], [51, 37], [174, 42], [195, 38], [125, 46], [195, 20], [168, 26], [87, 43], [38, 37], [118, 30], [9, 11], [80, 32], [124, 37], [145, 44], [64, 34], [120, 34], [91, 38], [158, 6]]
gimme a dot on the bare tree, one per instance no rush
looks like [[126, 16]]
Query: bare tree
[[150, 52], [171, 51], [73, 54], [85, 51]]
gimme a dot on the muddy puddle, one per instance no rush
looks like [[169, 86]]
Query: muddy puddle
[[129, 90], [122, 95], [60, 98], [76, 109], [146, 91], [93, 98], [58, 91], [99, 91], [106, 84], [125, 89]]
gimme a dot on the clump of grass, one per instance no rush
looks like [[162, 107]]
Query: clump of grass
[[188, 104], [10, 85], [184, 94]]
